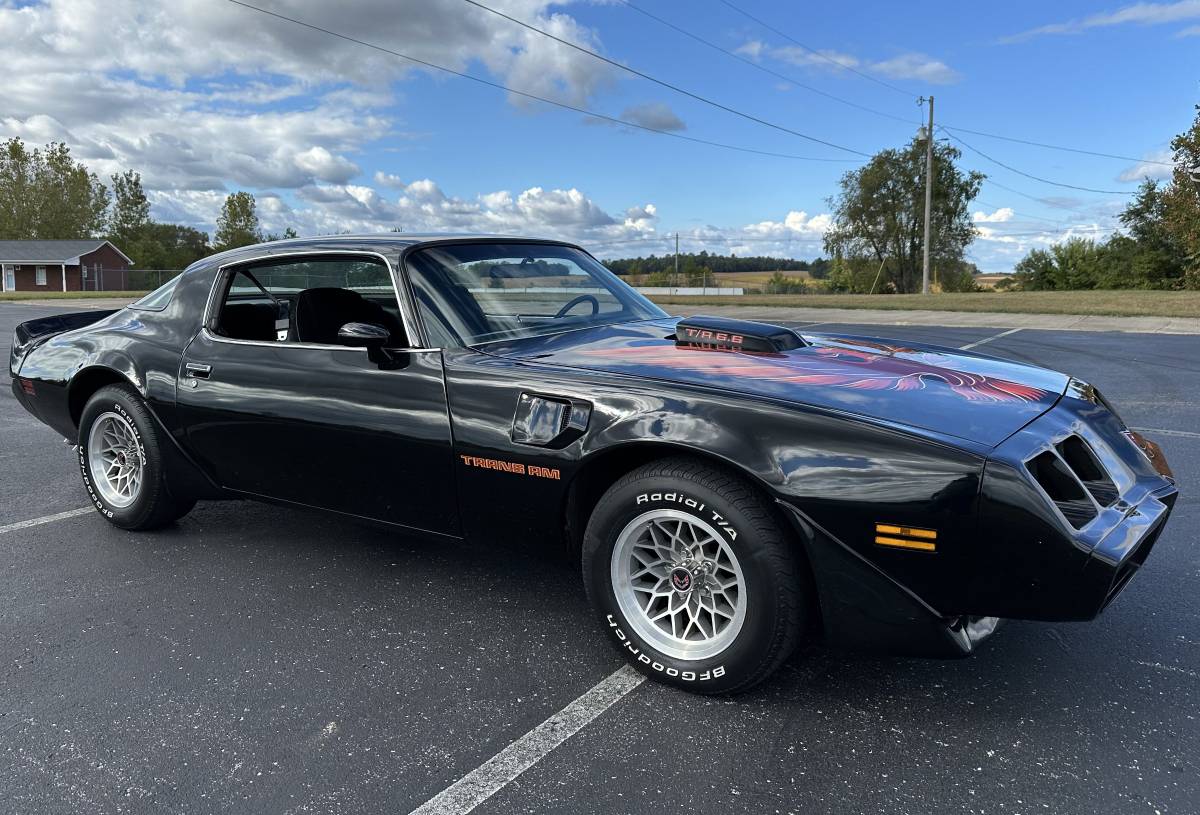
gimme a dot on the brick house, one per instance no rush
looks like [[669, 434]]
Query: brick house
[[93, 265]]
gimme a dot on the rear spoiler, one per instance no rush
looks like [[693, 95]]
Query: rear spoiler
[[32, 333]]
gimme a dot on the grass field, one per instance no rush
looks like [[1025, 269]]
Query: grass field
[[69, 295], [753, 279], [1125, 303]]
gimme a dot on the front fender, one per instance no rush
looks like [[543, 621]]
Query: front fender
[[846, 475]]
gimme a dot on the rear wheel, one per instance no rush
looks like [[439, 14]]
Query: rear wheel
[[693, 577], [121, 459]]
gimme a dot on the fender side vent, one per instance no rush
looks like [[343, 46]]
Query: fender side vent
[[1063, 487]]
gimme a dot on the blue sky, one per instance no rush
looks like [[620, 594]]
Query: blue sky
[[204, 97]]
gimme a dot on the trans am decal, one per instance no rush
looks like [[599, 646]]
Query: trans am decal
[[889, 368]]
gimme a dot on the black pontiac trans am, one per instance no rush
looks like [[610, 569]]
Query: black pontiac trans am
[[729, 487]]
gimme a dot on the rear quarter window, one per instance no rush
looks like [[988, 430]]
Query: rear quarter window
[[158, 299]]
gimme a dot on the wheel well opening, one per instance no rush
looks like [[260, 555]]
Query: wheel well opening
[[86, 383]]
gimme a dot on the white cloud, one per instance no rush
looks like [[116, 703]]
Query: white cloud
[[999, 216], [796, 224], [201, 95], [388, 179], [1192, 31], [916, 66], [754, 49], [1136, 14], [909, 65], [422, 206], [1027, 239], [656, 115], [324, 166], [1152, 168]]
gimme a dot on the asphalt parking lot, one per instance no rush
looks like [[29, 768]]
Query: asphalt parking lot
[[258, 659]]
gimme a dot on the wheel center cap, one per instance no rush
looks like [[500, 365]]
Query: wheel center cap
[[681, 579], [121, 459]]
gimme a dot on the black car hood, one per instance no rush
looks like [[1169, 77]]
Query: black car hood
[[978, 398]]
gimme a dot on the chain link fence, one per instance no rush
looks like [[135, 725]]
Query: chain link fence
[[101, 279]]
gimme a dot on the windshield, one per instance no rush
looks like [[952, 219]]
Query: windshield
[[479, 292]]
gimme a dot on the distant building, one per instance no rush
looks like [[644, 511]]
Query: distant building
[[87, 265]]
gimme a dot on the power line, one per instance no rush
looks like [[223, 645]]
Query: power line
[[827, 58], [760, 67], [1058, 146], [498, 86], [1029, 175], [641, 74], [817, 53], [1031, 217]]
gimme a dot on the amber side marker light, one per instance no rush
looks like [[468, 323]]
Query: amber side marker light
[[906, 537]]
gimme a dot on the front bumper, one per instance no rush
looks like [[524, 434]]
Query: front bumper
[[1070, 508]]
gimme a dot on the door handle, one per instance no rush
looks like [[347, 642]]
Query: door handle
[[197, 370]]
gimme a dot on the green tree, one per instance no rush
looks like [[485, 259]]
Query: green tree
[[46, 194], [167, 246], [1073, 264], [879, 212], [237, 224], [288, 234], [130, 209], [779, 283], [1159, 249], [1181, 201]]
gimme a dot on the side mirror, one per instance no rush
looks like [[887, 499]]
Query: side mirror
[[363, 335]]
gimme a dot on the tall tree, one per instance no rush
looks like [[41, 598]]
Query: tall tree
[[1181, 201], [167, 246], [46, 194], [238, 222], [130, 211], [880, 211]]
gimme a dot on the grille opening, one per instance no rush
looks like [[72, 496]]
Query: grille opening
[[1132, 564], [1080, 458], [1065, 490]]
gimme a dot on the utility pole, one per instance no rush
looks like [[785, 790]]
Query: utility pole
[[676, 280], [928, 196]]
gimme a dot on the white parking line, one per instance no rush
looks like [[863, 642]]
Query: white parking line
[[1159, 431], [501, 769], [46, 519], [971, 345]]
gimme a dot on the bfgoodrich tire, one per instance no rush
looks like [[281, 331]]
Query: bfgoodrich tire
[[121, 459], [693, 578]]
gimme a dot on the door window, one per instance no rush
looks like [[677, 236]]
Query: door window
[[307, 301]]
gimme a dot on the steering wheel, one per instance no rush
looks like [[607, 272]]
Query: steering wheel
[[583, 298]]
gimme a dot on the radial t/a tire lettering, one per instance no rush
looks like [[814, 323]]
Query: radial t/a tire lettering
[[692, 576]]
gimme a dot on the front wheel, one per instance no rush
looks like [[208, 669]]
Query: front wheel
[[693, 578], [121, 459]]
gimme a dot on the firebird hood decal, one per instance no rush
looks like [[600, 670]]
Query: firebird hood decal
[[972, 397], [903, 369]]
